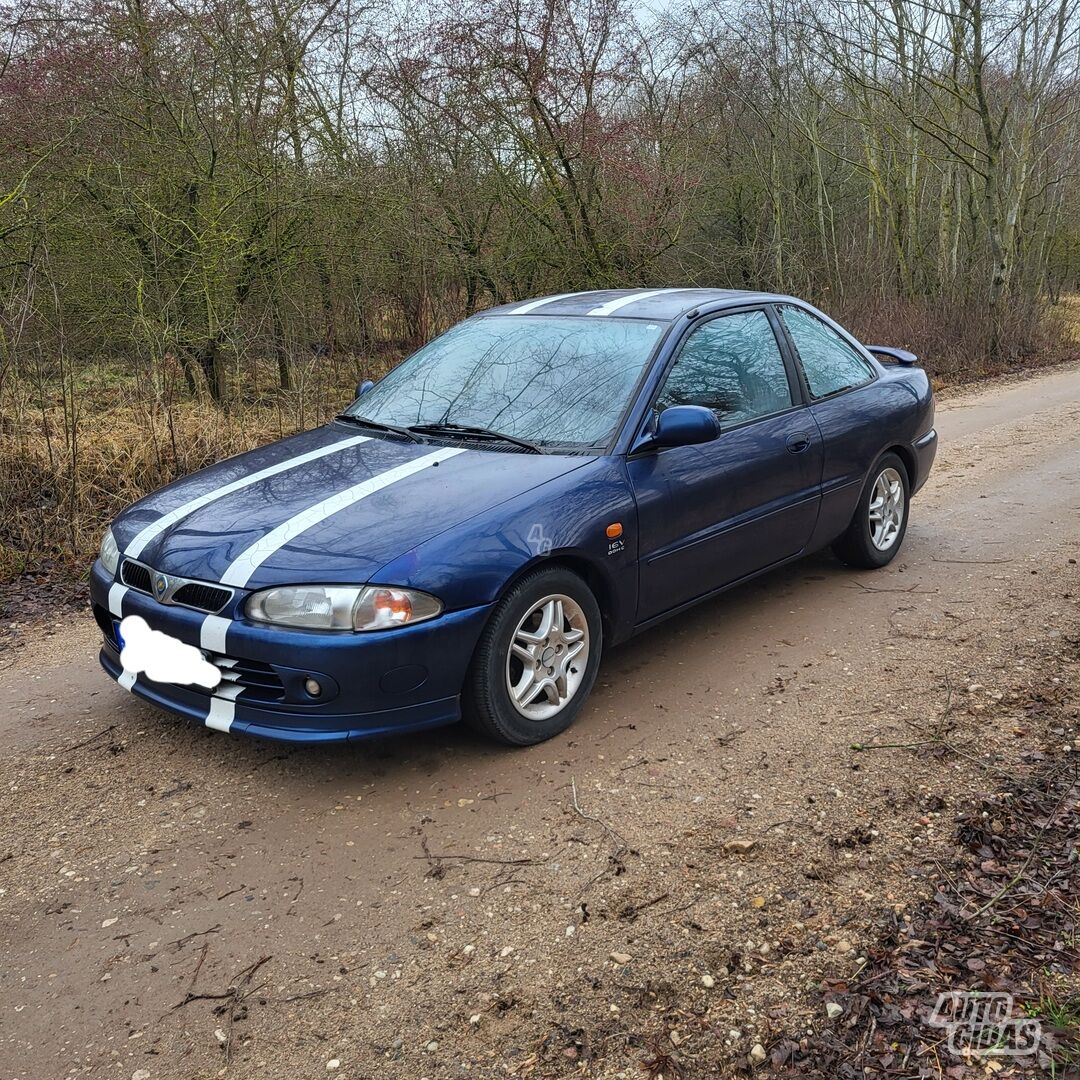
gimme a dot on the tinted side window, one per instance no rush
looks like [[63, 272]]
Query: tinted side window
[[829, 362], [731, 365]]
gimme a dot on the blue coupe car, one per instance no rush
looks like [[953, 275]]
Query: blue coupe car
[[541, 481]]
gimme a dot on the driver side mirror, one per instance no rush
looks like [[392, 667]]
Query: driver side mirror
[[686, 425], [364, 387]]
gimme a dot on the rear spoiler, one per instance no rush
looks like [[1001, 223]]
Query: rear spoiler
[[900, 356]]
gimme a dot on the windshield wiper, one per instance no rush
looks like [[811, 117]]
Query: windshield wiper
[[394, 429], [480, 432]]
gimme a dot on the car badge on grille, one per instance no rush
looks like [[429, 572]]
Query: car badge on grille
[[161, 585]]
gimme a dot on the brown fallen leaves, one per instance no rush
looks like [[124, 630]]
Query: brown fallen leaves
[[1002, 919]]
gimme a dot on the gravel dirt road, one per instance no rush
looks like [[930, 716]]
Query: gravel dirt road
[[661, 887]]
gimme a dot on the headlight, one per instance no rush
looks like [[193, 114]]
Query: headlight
[[109, 553], [341, 607]]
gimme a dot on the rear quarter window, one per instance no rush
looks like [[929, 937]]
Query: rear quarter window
[[828, 361]]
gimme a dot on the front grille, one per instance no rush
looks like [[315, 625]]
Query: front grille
[[203, 597], [181, 591], [135, 576], [260, 681]]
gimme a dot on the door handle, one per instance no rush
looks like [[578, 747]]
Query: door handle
[[798, 442]]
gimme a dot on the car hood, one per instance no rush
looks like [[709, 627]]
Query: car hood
[[331, 505]]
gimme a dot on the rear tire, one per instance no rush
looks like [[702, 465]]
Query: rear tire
[[880, 521], [536, 660]]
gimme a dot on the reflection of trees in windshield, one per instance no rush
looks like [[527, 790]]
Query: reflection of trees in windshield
[[541, 378]]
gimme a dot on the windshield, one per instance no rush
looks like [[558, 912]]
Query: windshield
[[547, 379]]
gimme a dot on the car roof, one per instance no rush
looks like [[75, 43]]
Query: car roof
[[663, 305]]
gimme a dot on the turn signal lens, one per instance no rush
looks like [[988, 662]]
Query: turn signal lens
[[393, 605], [382, 608], [614, 530]]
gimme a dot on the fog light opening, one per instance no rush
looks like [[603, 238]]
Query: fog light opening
[[313, 687]]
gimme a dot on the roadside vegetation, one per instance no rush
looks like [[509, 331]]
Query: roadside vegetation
[[216, 217]]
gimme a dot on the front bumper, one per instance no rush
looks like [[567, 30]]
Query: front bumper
[[373, 684]]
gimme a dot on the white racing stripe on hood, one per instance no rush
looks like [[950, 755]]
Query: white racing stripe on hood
[[244, 565], [223, 707], [212, 633], [142, 538], [622, 301], [117, 592], [215, 629], [533, 304]]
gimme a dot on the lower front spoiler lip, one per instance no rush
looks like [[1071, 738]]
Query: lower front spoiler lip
[[265, 723]]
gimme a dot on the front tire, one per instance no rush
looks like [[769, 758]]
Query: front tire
[[877, 529], [536, 660]]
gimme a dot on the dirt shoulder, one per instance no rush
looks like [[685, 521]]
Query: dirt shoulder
[[687, 874]]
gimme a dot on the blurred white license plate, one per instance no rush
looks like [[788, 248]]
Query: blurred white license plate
[[161, 657]]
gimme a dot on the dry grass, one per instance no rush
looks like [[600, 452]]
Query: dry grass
[[68, 471], [60, 493], [1069, 309]]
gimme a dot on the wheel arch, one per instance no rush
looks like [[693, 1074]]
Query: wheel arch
[[907, 456], [603, 588]]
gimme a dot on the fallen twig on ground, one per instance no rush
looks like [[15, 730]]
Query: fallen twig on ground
[[92, 739], [621, 847]]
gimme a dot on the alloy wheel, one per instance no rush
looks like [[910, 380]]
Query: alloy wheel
[[886, 509], [547, 658]]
